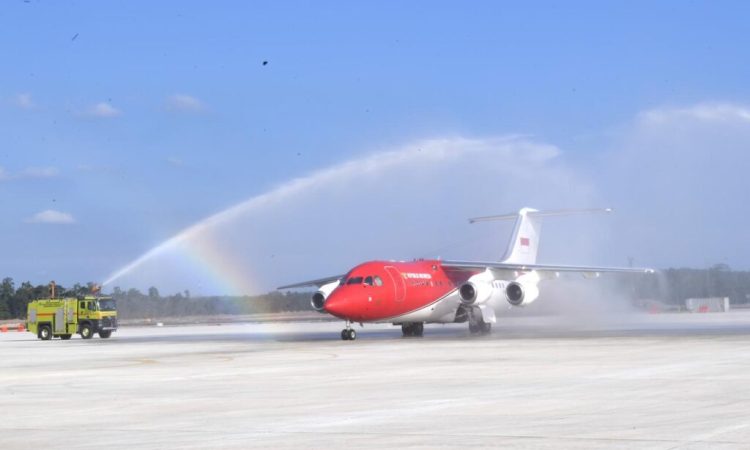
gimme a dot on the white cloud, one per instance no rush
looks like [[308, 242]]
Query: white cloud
[[24, 101], [51, 216], [175, 161], [39, 172], [94, 168], [184, 103], [30, 173], [711, 112], [103, 110], [678, 177]]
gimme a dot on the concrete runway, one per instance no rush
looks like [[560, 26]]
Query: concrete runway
[[672, 381]]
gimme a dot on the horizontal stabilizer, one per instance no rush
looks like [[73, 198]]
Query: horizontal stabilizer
[[548, 213]]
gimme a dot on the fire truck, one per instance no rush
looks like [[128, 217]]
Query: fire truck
[[64, 317]]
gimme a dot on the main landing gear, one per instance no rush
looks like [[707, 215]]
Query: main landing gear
[[477, 325], [348, 333], [412, 329]]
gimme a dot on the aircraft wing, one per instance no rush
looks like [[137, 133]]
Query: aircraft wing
[[319, 282], [481, 265]]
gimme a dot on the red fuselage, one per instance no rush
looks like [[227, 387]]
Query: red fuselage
[[383, 290]]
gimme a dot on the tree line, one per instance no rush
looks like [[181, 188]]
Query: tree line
[[671, 286], [674, 286], [134, 304]]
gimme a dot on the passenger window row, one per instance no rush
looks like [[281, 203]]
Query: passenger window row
[[428, 283]]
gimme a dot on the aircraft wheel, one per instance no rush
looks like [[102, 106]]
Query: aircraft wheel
[[480, 327], [352, 334], [477, 325], [45, 333], [412, 329], [344, 335]]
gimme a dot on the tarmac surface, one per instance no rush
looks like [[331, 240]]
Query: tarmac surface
[[671, 381]]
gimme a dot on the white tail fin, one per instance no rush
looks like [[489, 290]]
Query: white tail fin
[[524, 242]]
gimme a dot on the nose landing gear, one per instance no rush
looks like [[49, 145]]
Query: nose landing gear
[[348, 333]]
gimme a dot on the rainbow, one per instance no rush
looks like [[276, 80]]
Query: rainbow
[[217, 265]]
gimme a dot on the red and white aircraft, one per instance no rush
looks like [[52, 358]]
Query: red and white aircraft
[[436, 291]]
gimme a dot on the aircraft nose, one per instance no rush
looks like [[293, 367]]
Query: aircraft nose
[[337, 305]]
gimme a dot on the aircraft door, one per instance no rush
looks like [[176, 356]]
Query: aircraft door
[[398, 283]]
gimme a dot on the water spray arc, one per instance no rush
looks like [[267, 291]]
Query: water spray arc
[[442, 155]]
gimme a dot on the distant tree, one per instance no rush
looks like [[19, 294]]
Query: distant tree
[[40, 291], [24, 294], [721, 267], [4, 309], [77, 290], [7, 291], [153, 293]]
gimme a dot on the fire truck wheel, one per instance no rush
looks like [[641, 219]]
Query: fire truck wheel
[[45, 333], [105, 334], [65, 337], [86, 331]]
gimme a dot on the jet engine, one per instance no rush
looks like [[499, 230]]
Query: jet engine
[[520, 294], [318, 299], [472, 293]]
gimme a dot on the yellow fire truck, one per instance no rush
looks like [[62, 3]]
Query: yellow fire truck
[[64, 317]]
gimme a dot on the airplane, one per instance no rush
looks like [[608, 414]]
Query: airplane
[[413, 293]]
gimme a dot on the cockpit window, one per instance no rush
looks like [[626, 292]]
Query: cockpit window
[[354, 280], [343, 279], [368, 280]]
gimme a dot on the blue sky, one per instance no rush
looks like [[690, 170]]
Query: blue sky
[[123, 123]]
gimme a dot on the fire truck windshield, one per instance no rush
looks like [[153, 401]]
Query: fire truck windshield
[[107, 304]]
